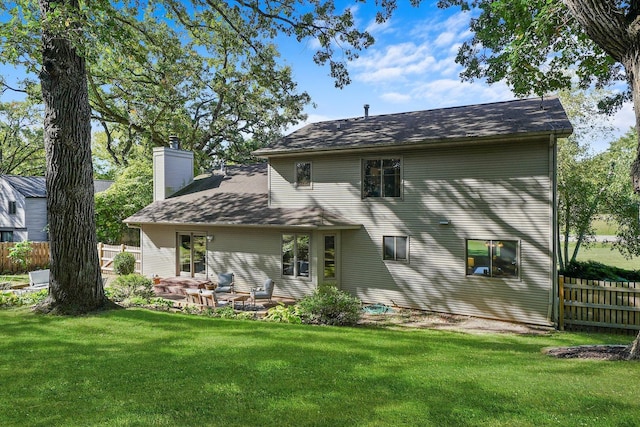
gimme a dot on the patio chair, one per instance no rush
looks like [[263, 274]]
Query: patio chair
[[225, 283], [193, 296], [38, 279], [263, 292], [208, 298]]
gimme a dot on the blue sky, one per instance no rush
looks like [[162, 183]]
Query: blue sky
[[410, 67]]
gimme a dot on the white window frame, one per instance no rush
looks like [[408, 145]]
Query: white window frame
[[363, 163], [296, 273], [492, 269], [295, 174], [396, 239]]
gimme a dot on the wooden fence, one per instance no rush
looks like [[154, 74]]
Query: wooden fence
[[39, 258], [106, 253], [598, 305]]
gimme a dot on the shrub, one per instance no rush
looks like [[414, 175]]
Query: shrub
[[592, 270], [330, 306], [283, 314], [124, 263], [131, 286], [20, 253], [11, 299]]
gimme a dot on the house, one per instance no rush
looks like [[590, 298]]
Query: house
[[23, 207], [450, 210]]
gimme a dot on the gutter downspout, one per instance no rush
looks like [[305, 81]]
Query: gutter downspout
[[553, 168]]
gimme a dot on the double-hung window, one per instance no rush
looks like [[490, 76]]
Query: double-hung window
[[303, 174], [493, 258], [12, 208], [295, 255], [395, 248], [382, 177]]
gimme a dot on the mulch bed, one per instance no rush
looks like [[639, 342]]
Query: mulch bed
[[594, 352]]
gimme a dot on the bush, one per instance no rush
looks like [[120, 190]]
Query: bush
[[131, 286], [283, 314], [20, 253], [124, 263], [330, 306], [11, 299], [592, 270]]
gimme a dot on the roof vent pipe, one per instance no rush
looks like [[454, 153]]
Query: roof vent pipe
[[174, 142], [366, 111]]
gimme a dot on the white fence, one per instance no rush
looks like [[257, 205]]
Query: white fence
[[106, 253]]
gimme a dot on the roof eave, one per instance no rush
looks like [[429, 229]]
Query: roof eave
[[428, 143], [138, 224]]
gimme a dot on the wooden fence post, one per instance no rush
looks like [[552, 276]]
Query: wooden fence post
[[101, 252], [561, 304]]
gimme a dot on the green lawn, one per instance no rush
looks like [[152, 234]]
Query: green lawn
[[137, 367], [601, 252]]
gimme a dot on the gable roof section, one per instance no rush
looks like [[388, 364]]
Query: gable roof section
[[28, 186], [474, 123], [36, 186], [237, 198]]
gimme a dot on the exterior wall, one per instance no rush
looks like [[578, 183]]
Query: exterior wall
[[36, 219], [252, 254], [172, 170], [12, 222], [499, 191]]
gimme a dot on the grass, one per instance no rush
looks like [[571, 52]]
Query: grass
[[137, 367], [14, 278], [601, 252]]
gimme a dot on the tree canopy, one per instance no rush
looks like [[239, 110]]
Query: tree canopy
[[21, 149], [206, 71], [541, 46]]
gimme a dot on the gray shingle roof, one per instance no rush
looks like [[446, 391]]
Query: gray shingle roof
[[36, 186], [28, 186], [503, 120], [238, 198]]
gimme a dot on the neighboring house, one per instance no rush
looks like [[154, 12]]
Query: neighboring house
[[450, 210], [23, 207]]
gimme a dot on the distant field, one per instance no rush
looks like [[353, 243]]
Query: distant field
[[601, 252], [604, 229]]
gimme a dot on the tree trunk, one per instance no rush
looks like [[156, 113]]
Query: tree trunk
[[632, 67], [618, 33], [75, 279]]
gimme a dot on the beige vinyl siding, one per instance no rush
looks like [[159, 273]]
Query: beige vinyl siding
[[252, 254], [500, 191]]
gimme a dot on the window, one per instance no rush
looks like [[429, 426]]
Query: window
[[303, 174], [396, 248], [295, 255], [192, 254], [381, 178], [493, 258], [12, 208], [6, 236], [329, 257]]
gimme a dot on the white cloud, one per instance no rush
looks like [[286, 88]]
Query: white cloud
[[396, 98], [450, 92], [624, 118], [445, 39]]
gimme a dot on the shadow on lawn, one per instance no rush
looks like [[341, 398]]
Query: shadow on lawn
[[144, 367]]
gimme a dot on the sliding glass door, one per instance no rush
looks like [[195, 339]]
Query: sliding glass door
[[192, 254]]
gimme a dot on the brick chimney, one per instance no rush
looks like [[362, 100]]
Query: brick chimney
[[172, 169]]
